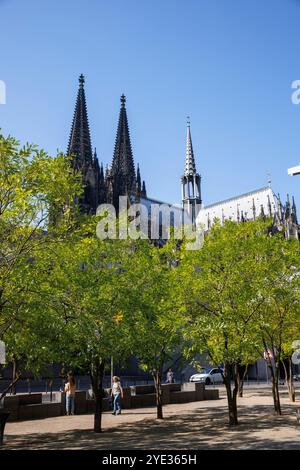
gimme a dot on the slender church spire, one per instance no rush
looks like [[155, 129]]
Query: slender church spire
[[123, 172], [191, 180], [190, 166], [138, 181], [144, 191], [80, 140], [83, 159], [294, 212]]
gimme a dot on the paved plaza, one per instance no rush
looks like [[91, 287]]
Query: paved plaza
[[197, 425]]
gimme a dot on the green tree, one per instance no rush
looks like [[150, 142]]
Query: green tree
[[31, 185], [277, 320], [88, 284], [220, 289], [155, 309]]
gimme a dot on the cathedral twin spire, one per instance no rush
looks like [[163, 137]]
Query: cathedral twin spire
[[121, 178], [80, 140]]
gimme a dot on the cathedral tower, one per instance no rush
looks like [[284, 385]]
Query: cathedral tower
[[80, 149], [191, 180]]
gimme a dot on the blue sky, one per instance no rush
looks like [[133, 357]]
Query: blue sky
[[228, 64]]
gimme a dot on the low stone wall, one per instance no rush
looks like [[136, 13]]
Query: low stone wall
[[140, 401], [183, 397], [143, 389], [212, 394], [30, 406]]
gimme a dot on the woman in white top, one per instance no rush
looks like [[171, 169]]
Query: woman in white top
[[117, 394], [70, 389]]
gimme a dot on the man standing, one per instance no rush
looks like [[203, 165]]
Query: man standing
[[170, 376]]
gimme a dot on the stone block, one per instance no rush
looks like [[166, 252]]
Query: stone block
[[199, 390], [183, 397], [139, 401], [11, 404], [166, 394], [126, 401], [38, 411], [212, 394], [91, 406], [144, 389], [106, 404], [30, 399], [54, 409], [80, 402], [173, 387], [25, 412]]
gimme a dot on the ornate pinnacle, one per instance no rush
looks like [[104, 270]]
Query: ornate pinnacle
[[123, 100], [81, 80]]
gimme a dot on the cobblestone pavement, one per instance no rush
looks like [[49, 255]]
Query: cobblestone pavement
[[197, 425]]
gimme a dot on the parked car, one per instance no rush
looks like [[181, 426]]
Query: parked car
[[209, 376]]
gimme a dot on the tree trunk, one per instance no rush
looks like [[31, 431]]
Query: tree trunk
[[14, 376], [274, 369], [275, 390], [241, 380], [51, 389], [157, 381], [97, 371], [231, 395], [288, 375], [291, 385], [277, 370]]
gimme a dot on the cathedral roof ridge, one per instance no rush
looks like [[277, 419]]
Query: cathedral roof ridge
[[235, 198]]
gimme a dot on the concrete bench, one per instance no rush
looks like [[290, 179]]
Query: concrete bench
[[212, 394], [30, 399], [142, 400], [144, 389]]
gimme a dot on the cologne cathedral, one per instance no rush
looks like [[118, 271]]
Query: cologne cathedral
[[121, 179]]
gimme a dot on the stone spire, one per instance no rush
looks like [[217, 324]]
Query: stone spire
[[294, 212], [80, 140], [80, 149], [287, 207], [190, 166], [122, 169], [138, 181], [191, 180], [144, 191]]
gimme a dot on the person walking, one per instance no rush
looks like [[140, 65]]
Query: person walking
[[170, 376], [70, 389], [117, 394]]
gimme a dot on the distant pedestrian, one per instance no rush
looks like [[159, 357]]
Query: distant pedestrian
[[170, 377], [117, 394], [70, 389]]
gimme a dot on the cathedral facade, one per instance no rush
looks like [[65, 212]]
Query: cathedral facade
[[122, 179]]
